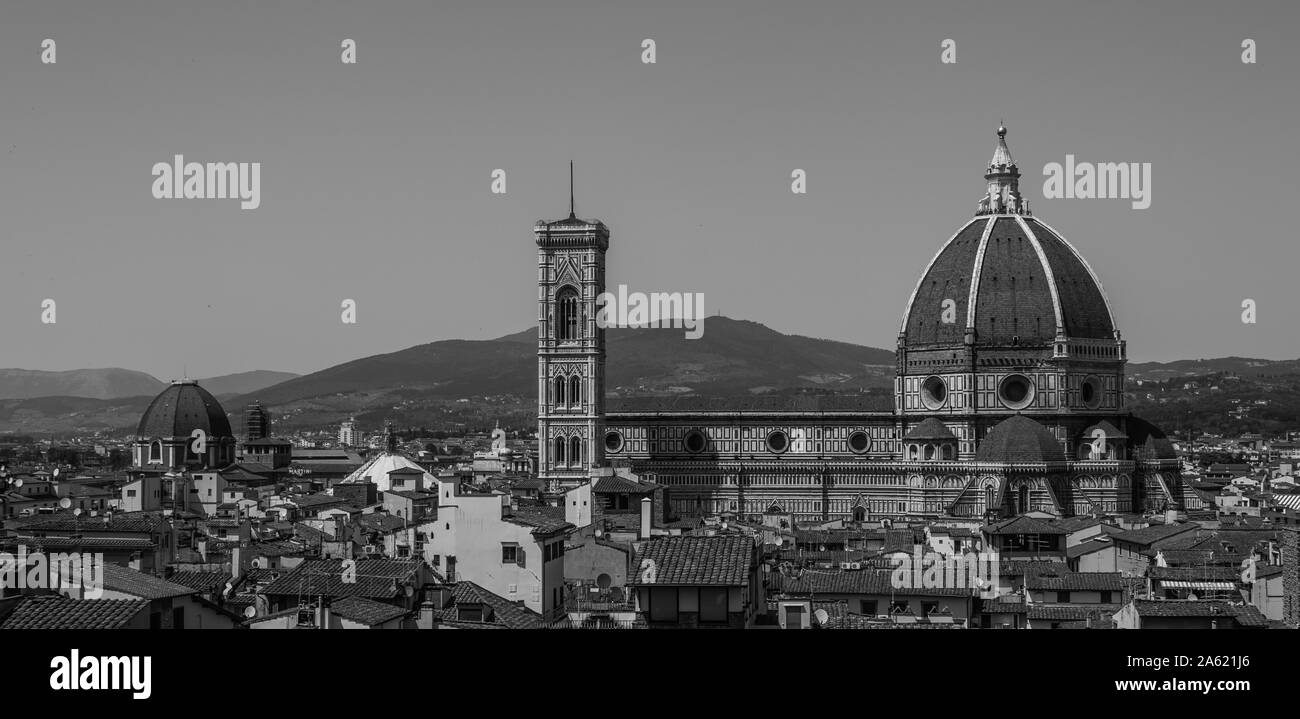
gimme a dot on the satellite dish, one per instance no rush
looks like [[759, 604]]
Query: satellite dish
[[18, 483], [65, 503], [822, 616], [76, 512], [56, 471], [250, 612]]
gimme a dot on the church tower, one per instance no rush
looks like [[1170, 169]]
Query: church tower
[[570, 347]]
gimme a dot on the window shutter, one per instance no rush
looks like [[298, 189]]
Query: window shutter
[[519, 556]]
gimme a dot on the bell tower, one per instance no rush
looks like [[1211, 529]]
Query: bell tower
[[570, 347]]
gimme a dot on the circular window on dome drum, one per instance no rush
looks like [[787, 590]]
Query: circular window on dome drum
[[859, 442], [1090, 392], [778, 441], [934, 392], [1016, 391], [613, 442], [694, 441]]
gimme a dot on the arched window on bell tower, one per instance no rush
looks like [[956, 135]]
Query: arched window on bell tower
[[575, 391], [567, 320], [559, 391], [575, 451], [560, 445]]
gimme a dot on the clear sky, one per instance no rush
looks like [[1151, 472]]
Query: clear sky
[[375, 181]]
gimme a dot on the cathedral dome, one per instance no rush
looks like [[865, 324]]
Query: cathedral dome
[[1006, 279], [1019, 439], [1149, 443], [182, 408]]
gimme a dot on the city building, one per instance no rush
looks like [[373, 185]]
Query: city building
[[1008, 396]]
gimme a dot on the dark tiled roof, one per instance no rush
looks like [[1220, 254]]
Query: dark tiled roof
[[278, 548], [1196, 574], [1155, 533], [1076, 582], [504, 611], [615, 484], [1088, 547], [206, 582], [145, 586], [365, 611], [1245, 614], [1075, 524], [1023, 525], [86, 542], [375, 578], [129, 522], [1022, 567], [1019, 439], [865, 581], [543, 520], [1071, 612], [312, 501], [711, 561], [55, 612], [380, 522]]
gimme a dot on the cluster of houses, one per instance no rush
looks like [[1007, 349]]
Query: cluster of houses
[[392, 545]]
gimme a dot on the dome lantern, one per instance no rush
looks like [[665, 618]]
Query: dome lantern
[[1002, 196]]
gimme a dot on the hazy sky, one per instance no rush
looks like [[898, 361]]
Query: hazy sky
[[375, 181]]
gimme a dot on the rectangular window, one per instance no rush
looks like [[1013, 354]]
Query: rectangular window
[[663, 604], [509, 553], [1062, 597], [867, 606], [1105, 598], [713, 604]]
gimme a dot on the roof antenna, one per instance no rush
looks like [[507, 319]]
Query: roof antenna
[[572, 216]]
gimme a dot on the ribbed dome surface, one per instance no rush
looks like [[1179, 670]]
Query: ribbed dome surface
[[1027, 281], [1019, 439], [182, 408], [1149, 443]]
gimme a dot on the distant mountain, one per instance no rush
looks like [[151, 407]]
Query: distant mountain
[[1243, 367], [732, 357], [90, 383], [422, 385], [80, 415], [117, 383], [244, 382]]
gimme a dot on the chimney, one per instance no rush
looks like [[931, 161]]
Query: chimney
[[646, 511]]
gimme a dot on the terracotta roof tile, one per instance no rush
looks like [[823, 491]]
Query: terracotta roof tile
[[709, 561]]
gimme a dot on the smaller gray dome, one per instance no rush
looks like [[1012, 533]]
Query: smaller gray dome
[[1019, 439], [182, 408]]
